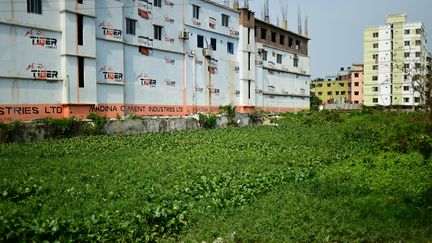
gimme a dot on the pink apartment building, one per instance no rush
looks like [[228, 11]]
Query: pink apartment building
[[355, 82]]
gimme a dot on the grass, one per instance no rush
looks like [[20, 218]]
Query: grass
[[315, 177]]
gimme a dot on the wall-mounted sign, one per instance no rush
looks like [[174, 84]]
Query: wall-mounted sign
[[196, 22], [258, 91], [237, 69], [237, 92], [215, 91], [198, 89], [109, 31], [110, 75], [144, 8], [168, 39], [145, 41], [170, 82], [145, 80], [169, 60], [39, 72], [258, 62], [39, 39], [169, 3], [234, 33], [168, 19], [198, 61], [212, 23]]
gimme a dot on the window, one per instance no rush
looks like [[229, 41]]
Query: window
[[375, 100], [418, 54], [249, 89], [356, 93], [298, 44], [406, 43], [375, 67], [375, 56], [406, 54], [342, 84], [356, 84], [319, 93], [328, 85], [81, 72], [375, 35], [282, 39], [249, 35], [130, 26], [195, 11], [157, 32], [225, 20], [406, 77], [375, 45], [273, 36], [406, 88], [263, 34], [329, 93], [418, 31], [337, 92], [418, 42], [200, 41], [213, 43], [279, 58], [375, 89], [230, 47], [80, 30], [264, 55], [356, 101], [374, 78], [296, 60], [406, 32], [157, 3], [290, 42], [249, 61], [417, 65], [417, 99], [406, 99], [343, 92], [34, 6], [80, 1], [356, 75], [406, 65]]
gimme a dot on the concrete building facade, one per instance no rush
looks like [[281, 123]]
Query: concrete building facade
[[145, 57], [394, 58], [343, 88]]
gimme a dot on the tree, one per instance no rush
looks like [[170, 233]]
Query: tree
[[420, 80], [315, 102]]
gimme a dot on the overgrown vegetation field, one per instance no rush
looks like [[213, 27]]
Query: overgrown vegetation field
[[314, 177]]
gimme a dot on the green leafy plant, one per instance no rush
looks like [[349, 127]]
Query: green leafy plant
[[98, 124], [230, 112], [208, 121]]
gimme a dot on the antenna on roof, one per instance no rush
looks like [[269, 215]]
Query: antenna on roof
[[299, 20], [306, 26], [284, 10], [246, 4], [266, 11]]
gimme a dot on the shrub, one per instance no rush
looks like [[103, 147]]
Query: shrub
[[98, 124], [207, 121], [230, 111], [65, 127]]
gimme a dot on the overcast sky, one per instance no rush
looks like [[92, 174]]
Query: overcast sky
[[336, 26]]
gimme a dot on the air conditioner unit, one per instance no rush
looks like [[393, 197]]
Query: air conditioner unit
[[184, 35], [207, 52]]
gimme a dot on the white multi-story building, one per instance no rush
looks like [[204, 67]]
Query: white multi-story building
[[395, 60], [145, 57]]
